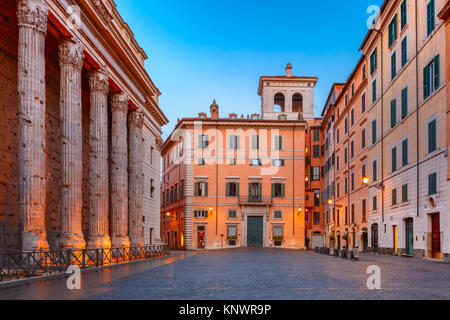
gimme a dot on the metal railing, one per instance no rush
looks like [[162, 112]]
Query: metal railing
[[255, 200], [20, 263]]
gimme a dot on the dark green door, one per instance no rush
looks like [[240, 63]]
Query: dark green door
[[409, 226], [255, 231]]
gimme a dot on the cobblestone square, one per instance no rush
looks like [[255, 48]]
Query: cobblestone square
[[249, 274]]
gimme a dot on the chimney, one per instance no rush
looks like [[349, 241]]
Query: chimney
[[214, 110], [289, 70]]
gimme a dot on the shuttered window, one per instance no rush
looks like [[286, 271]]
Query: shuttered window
[[374, 90], [432, 184], [404, 51], [405, 153], [431, 79], [374, 131], [393, 65], [432, 138], [404, 15], [394, 159], [393, 30], [393, 113], [404, 102], [373, 61], [431, 17], [404, 193]]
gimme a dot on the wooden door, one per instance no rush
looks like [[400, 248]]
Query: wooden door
[[435, 236]]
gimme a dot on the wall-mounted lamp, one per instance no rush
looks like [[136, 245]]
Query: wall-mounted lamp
[[366, 180]]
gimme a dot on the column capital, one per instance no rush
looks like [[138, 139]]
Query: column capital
[[32, 13], [99, 80], [136, 118], [120, 102], [71, 52]]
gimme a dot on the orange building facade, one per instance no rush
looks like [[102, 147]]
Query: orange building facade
[[245, 181]]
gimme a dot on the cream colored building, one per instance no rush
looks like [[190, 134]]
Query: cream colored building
[[407, 156]]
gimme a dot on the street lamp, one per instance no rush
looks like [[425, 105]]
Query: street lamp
[[366, 180]]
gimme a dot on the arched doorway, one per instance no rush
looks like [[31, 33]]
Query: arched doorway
[[365, 240]]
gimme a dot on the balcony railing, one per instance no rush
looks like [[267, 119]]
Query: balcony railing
[[15, 263], [255, 200]]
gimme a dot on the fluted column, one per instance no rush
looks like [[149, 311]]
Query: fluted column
[[32, 21], [119, 171], [71, 63], [98, 161], [136, 180]]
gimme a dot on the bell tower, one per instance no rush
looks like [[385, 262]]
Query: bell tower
[[288, 95]]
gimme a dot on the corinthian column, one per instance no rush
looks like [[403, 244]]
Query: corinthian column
[[71, 63], [119, 171], [32, 21], [98, 161], [136, 180]]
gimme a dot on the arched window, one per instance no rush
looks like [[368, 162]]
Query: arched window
[[297, 103], [278, 103]]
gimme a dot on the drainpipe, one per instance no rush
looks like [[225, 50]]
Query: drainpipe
[[417, 118]]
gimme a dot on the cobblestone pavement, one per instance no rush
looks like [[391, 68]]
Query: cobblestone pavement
[[252, 274]]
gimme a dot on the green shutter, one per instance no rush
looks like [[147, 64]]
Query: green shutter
[[432, 145], [249, 191], [206, 189], [436, 72], [405, 153], [393, 113], [237, 190], [259, 190], [283, 190], [196, 189], [404, 102], [227, 189], [394, 159], [273, 190], [432, 184], [426, 80], [374, 131]]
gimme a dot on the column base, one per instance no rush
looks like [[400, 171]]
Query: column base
[[72, 241], [99, 242], [120, 242], [34, 241], [137, 242]]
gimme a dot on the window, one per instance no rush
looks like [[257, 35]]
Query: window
[[316, 151], [163, 198], [374, 131], [200, 213], [338, 189], [431, 77], [432, 184], [233, 142], [255, 163], [337, 163], [203, 141], [278, 163], [353, 213], [278, 232], [432, 136], [346, 99], [315, 173], [393, 31], [353, 89], [297, 103], [182, 190], [316, 135], [353, 181], [404, 102], [373, 61], [346, 215], [278, 143], [403, 15], [364, 210], [316, 198], [394, 159], [316, 218], [363, 138], [374, 203], [404, 193], [255, 142], [374, 90], [232, 214], [405, 153], [201, 161], [337, 136], [278, 190], [374, 170], [352, 117], [232, 189], [363, 103], [393, 113], [232, 235], [345, 156], [394, 197], [278, 214], [152, 188], [201, 189], [404, 51], [393, 65], [278, 103], [363, 170], [346, 125], [431, 17], [352, 149]]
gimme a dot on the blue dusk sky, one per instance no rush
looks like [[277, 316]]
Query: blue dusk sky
[[203, 50]]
